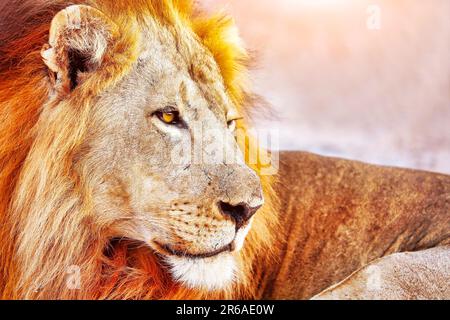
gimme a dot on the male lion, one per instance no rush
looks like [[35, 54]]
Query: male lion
[[101, 196]]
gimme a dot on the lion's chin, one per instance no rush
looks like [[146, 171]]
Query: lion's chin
[[211, 274]]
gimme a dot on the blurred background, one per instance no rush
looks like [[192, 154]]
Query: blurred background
[[366, 80]]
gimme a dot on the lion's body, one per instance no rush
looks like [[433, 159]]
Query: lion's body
[[337, 215], [341, 215]]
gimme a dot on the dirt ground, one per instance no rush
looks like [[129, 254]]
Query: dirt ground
[[353, 80]]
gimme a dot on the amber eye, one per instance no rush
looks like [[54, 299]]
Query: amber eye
[[232, 125], [169, 116]]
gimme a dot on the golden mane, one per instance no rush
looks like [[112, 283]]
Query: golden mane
[[116, 269]]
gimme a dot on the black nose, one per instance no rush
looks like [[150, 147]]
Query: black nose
[[240, 213]]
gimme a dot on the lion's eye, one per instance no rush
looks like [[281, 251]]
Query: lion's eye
[[169, 116], [231, 125]]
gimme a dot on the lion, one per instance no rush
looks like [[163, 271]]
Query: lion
[[97, 116], [102, 195]]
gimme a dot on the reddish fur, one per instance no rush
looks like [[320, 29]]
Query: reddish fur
[[123, 270]]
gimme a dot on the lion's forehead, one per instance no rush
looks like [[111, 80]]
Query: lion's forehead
[[185, 65]]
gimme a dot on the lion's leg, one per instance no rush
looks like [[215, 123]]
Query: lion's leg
[[409, 275]]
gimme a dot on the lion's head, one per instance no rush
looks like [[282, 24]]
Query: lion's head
[[134, 138], [160, 156]]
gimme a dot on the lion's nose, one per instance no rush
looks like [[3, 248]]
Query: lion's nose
[[240, 213]]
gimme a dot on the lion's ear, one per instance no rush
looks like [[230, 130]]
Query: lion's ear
[[79, 39]]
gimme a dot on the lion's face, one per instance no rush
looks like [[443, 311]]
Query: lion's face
[[169, 170]]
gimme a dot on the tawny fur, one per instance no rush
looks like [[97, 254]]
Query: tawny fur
[[335, 216], [341, 216]]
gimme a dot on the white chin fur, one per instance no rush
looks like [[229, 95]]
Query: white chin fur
[[210, 274]]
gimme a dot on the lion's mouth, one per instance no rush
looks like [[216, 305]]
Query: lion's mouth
[[168, 250]]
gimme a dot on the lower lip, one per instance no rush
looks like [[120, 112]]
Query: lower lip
[[167, 250]]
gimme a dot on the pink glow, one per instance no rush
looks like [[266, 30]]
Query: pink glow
[[339, 88]]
